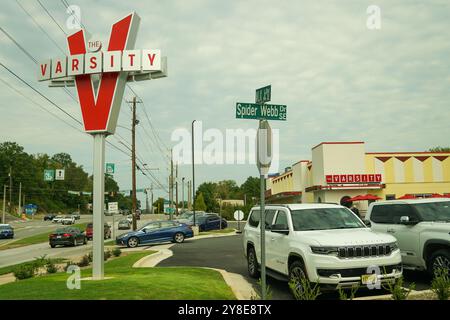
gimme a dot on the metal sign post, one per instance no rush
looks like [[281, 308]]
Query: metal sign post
[[98, 206]]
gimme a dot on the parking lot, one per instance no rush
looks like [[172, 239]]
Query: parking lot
[[227, 253]]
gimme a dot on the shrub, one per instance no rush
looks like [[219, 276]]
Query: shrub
[[117, 252], [257, 296], [107, 254], [307, 292], [397, 290], [441, 284], [84, 262], [51, 267], [343, 295], [90, 256], [25, 272], [68, 264]]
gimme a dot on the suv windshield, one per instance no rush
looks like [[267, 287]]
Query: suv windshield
[[324, 219], [5, 228], [434, 211]]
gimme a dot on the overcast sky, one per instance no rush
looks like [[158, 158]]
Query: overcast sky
[[340, 80]]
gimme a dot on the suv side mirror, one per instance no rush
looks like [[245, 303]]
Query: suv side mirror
[[407, 221], [280, 228]]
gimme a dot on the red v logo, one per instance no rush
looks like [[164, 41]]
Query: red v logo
[[100, 112]]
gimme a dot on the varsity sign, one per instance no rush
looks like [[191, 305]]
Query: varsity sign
[[101, 96], [353, 178]]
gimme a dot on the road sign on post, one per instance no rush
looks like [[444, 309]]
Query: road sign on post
[[110, 168], [49, 175], [263, 94], [59, 174], [261, 112]]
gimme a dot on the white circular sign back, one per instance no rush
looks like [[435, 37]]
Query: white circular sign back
[[238, 215]]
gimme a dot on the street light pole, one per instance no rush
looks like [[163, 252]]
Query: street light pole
[[182, 193], [193, 173], [133, 163], [4, 200]]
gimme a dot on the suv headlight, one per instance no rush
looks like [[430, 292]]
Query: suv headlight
[[394, 246], [325, 250]]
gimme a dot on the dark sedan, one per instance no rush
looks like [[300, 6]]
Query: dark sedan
[[208, 221], [6, 231], [49, 217], [157, 231], [68, 236]]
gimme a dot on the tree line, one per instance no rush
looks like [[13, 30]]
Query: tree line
[[50, 196]]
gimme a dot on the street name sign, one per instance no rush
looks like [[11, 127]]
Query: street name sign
[[261, 112], [263, 94]]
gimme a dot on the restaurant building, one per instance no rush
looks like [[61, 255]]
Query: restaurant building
[[341, 170]]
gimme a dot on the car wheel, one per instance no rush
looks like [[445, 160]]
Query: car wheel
[[297, 276], [52, 245], [252, 263], [133, 242], [439, 259], [85, 240], [178, 237], [74, 243]]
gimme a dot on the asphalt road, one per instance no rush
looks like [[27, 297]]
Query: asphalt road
[[29, 228], [227, 253]]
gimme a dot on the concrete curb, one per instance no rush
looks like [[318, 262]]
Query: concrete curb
[[389, 296]]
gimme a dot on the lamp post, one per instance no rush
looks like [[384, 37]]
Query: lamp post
[[182, 193], [193, 173]]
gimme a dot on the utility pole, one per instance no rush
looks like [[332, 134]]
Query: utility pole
[[189, 195], [4, 202], [193, 172], [176, 189], [151, 190], [134, 122], [182, 194], [10, 191], [171, 185], [19, 209]]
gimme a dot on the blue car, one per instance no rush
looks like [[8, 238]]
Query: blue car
[[208, 221], [157, 231], [6, 231]]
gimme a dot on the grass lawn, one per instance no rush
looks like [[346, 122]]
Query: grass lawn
[[227, 230], [126, 284], [38, 238]]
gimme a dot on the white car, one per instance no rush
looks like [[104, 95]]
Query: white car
[[421, 227], [67, 220], [57, 219], [322, 243]]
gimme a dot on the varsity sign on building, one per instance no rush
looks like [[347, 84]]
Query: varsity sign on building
[[353, 178], [100, 78]]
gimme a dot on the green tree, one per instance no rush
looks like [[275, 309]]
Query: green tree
[[439, 149], [209, 194], [251, 188], [200, 202], [159, 205]]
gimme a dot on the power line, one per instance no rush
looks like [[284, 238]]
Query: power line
[[45, 9], [40, 27]]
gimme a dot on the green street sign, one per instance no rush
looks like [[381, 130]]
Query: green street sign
[[264, 112], [263, 94], [110, 168], [140, 190], [49, 175]]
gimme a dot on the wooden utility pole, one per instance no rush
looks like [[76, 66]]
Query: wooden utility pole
[[10, 191], [133, 162]]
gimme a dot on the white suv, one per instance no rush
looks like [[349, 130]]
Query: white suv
[[325, 243], [422, 229]]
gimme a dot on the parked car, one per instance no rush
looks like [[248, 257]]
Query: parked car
[[68, 220], [130, 218], [57, 219], [49, 217], [421, 227], [68, 236], [186, 216], [210, 222], [156, 231], [6, 231], [124, 225], [90, 231], [76, 215], [320, 243]]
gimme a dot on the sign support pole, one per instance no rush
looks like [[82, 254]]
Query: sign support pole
[[262, 219], [98, 206]]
